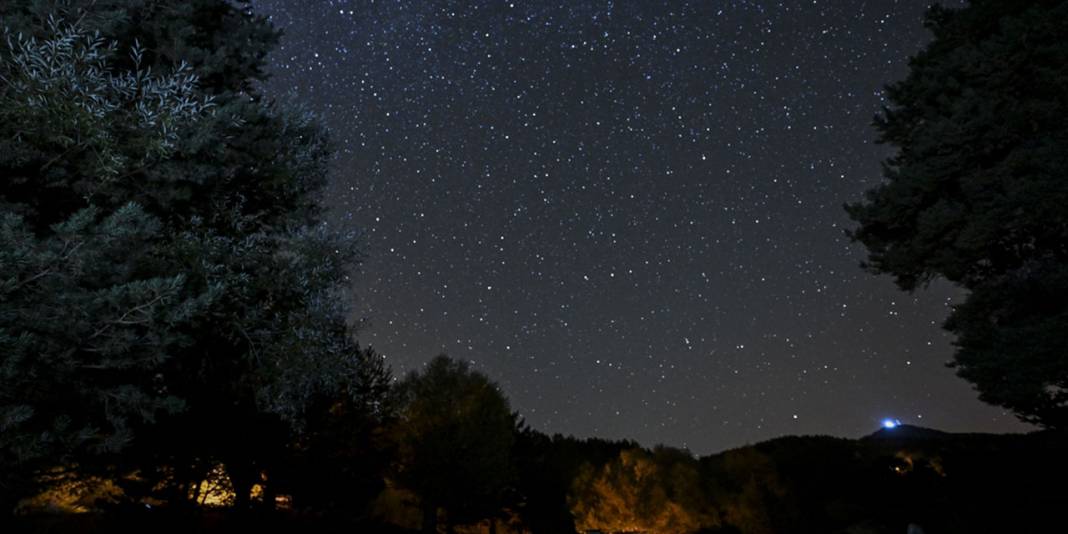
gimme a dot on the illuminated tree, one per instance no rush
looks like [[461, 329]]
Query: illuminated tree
[[655, 492], [547, 467]]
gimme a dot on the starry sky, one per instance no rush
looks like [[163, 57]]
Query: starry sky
[[629, 213]]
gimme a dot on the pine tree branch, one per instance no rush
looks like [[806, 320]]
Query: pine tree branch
[[122, 319], [59, 156], [50, 269]]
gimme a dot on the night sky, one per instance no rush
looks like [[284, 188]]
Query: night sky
[[629, 213]]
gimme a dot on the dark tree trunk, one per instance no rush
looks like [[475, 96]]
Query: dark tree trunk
[[197, 497], [241, 495], [269, 494], [184, 494], [242, 476], [430, 518]]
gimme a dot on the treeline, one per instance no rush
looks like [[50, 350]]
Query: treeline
[[443, 451]]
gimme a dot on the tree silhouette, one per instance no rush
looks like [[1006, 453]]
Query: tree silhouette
[[456, 437], [342, 455], [976, 195]]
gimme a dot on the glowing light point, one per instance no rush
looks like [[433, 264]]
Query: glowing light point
[[891, 423]]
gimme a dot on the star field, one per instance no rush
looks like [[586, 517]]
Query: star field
[[629, 214]]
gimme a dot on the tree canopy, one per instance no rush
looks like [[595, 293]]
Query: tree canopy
[[976, 194], [642, 492], [457, 435], [168, 286]]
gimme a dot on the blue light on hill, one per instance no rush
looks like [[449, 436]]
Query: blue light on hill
[[891, 423]]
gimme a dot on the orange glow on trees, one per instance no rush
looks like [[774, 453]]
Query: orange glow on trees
[[656, 493]]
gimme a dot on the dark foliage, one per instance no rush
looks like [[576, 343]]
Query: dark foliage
[[547, 466], [976, 194], [339, 463], [456, 434], [169, 295]]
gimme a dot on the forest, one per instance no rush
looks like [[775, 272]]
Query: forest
[[178, 351]]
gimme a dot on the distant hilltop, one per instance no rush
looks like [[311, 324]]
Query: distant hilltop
[[910, 432]]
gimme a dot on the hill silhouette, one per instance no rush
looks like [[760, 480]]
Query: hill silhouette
[[907, 432], [943, 481]]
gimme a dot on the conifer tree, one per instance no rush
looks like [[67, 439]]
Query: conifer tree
[[168, 287]]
